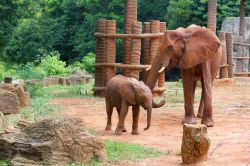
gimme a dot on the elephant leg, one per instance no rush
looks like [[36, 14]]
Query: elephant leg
[[189, 89], [109, 110], [136, 112], [206, 82], [118, 111], [201, 107], [122, 116]]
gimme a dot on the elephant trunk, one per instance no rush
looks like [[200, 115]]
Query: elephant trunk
[[157, 105], [149, 112]]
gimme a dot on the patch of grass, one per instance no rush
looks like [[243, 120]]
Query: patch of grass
[[39, 108], [118, 151], [92, 132], [4, 163], [77, 91]]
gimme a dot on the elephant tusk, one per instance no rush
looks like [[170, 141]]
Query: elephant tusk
[[149, 68], [162, 69]]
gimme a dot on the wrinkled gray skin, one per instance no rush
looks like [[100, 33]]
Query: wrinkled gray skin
[[122, 92]]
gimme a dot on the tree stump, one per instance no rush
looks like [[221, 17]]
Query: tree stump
[[51, 142], [19, 92], [9, 102], [195, 143]]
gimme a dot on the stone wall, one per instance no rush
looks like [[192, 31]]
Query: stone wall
[[231, 24]]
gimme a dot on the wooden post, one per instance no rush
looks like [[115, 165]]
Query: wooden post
[[249, 57], [161, 79], [212, 12], [239, 62], [146, 51], [155, 28], [100, 58], [111, 50], [136, 50], [129, 18], [223, 70], [229, 45]]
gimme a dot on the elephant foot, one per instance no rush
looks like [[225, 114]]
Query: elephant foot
[[118, 131], [199, 115], [135, 132], [124, 129], [108, 127], [189, 120], [208, 121]]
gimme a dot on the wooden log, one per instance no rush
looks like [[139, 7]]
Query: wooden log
[[242, 57], [132, 36], [136, 50], [122, 66], [229, 45], [100, 56], [161, 79], [146, 51], [239, 62], [243, 44], [155, 28], [129, 18], [111, 50], [195, 144], [223, 67], [212, 12]]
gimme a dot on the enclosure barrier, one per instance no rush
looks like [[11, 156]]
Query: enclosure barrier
[[229, 46], [106, 53]]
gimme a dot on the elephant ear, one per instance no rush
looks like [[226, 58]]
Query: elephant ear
[[200, 47], [127, 91]]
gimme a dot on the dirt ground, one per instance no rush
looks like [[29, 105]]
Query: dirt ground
[[230, 137]]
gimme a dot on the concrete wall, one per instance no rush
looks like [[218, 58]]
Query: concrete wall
[[231, 24]]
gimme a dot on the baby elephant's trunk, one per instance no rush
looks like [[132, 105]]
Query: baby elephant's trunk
[[149, 112]]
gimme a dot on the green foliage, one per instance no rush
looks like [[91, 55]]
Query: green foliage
[[88, 61], [1, 71], [36, 90], [29, 71], [39, 108], [4, 163], [52, 65], [118, 151]]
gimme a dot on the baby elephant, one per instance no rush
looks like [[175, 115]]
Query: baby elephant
[[122, 92]]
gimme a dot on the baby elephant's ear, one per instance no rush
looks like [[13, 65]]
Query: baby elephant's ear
[[127, 92]]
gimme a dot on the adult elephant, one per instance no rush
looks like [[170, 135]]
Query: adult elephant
[[197, 52], [122, 92]]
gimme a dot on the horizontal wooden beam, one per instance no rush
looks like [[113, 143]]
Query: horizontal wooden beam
[[225, 65], [242, 57], [243, 44], [132, 36], [242, 73], [122, 66]]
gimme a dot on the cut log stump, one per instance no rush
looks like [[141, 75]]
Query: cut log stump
[[9, 102], [51, 142], [195, 144]]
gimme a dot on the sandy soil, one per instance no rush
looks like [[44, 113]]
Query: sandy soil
[[230, 138]]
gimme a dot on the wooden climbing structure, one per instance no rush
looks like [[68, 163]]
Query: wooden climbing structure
[[140, 44]]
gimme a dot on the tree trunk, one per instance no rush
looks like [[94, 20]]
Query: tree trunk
[[212, 12]]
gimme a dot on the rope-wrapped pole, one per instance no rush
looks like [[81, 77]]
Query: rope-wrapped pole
[[129, 18], [136, 49], [161, 79], [111, 50], [146, 51], [223, 70], [100, 57], [249, 57], [212, 12], [229, 45], [155, 28]]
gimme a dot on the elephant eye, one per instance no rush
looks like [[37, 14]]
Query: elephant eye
[[170, 49]]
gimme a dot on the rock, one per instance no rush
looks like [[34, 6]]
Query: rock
[[9, 102], [19, 92], [80, 77], [51, 142], [195, 143], [3, 123]]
